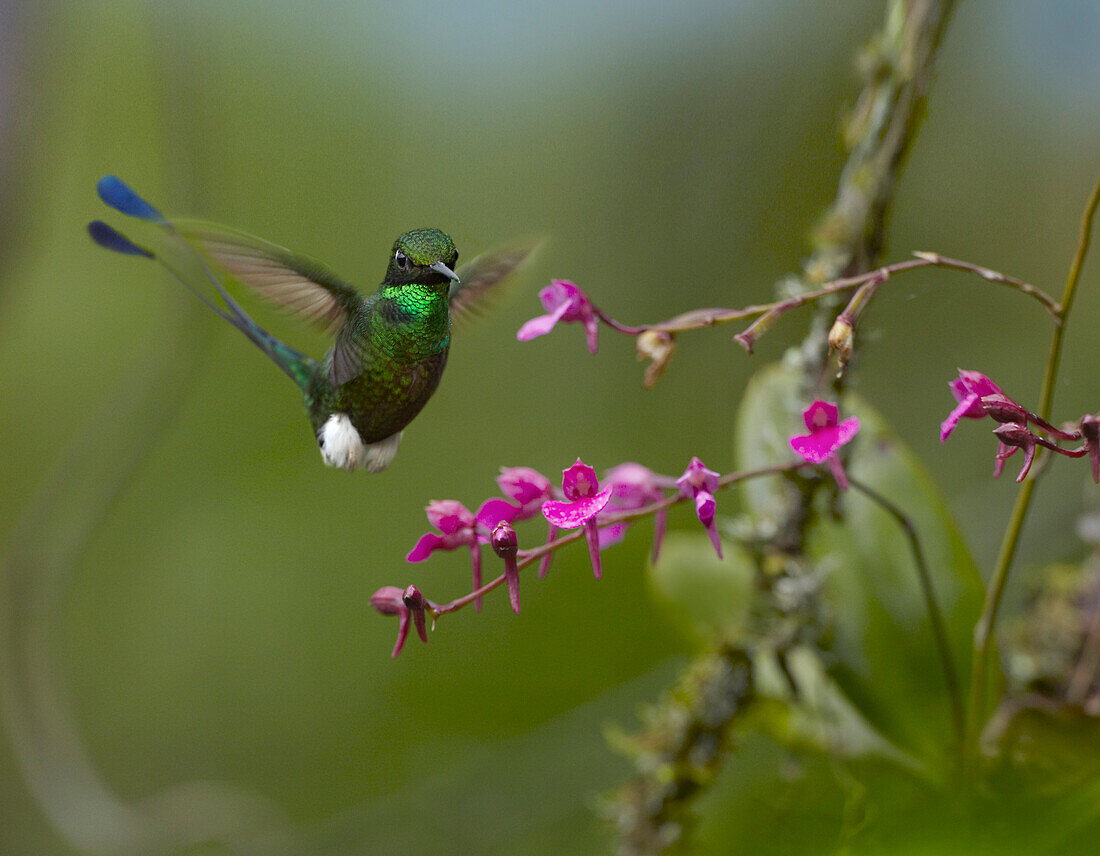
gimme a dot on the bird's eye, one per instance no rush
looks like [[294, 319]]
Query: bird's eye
[[401, 259]]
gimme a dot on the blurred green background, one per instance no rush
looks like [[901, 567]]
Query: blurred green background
[[216, 627]]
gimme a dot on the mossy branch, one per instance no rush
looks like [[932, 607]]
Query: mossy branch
[[649, 814]]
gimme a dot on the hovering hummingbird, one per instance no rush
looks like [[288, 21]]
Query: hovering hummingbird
[[390, 347]]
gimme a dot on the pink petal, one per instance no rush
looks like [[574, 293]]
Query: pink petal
[[579, 481], [632, 486], [1003, 454], [1030, 456], [570, 515], [557, 295], [544, 565], [962, 393], [540, 325], [562, 292], [475, 561], [962, 409], [629, 474], [592, 332], [697, 476], [838, 472], [660, 522], [974, 383], [511, 577], [612, 534], [523, 485], [846, 431], [427, 545], [704, 507], [810, 449], [493, 511], [402, 634], [593, 539], [421, 628], [712, 532], [449, 516], [387, 600], [820, 414]]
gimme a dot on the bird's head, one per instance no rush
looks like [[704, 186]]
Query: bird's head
[[423, 256]]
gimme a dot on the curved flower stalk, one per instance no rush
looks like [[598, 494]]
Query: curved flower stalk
[[628, 492], [565, 302]]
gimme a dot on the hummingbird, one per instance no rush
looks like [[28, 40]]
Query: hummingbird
[[390, 347]]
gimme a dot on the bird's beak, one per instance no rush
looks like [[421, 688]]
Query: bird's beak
[[439, 267]]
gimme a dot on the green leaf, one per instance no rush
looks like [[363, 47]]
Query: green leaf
[[770, 412], [706, 595], [768, 801], [1058, 746], [882, 649]]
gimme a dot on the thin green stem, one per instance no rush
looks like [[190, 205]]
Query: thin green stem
[[935, 616], [983, 632]]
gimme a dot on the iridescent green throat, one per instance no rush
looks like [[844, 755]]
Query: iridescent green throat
[[420, 313]]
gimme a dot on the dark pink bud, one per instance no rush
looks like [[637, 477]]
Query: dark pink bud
[[1090, 431], [506, 545], [408, 605], [1090, 427], [1003, 409], [388, 600], [1015, 434], [504, 541], [416, 605]]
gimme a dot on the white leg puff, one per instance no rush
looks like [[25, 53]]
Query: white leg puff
[[341, 446], [382, 453]]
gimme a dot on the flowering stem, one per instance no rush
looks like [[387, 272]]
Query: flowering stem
[[984, 629], [699, 318], [1051, 306], [528, 557], [935, 617]]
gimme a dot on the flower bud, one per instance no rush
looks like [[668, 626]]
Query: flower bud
[[505, 544], [1003, 409], [656, 346], [1090, 427], [413, 599], [1090, 432], [841, 338], [388, 600], [416, 604], [504, 541], [1015, 434], [408, 605]]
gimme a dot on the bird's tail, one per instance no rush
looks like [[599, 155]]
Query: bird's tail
[[116, 193]]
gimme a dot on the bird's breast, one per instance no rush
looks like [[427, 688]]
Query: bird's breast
[[391, 392]]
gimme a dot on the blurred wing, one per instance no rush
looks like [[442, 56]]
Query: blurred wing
[[298, 283], [472, 295]]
